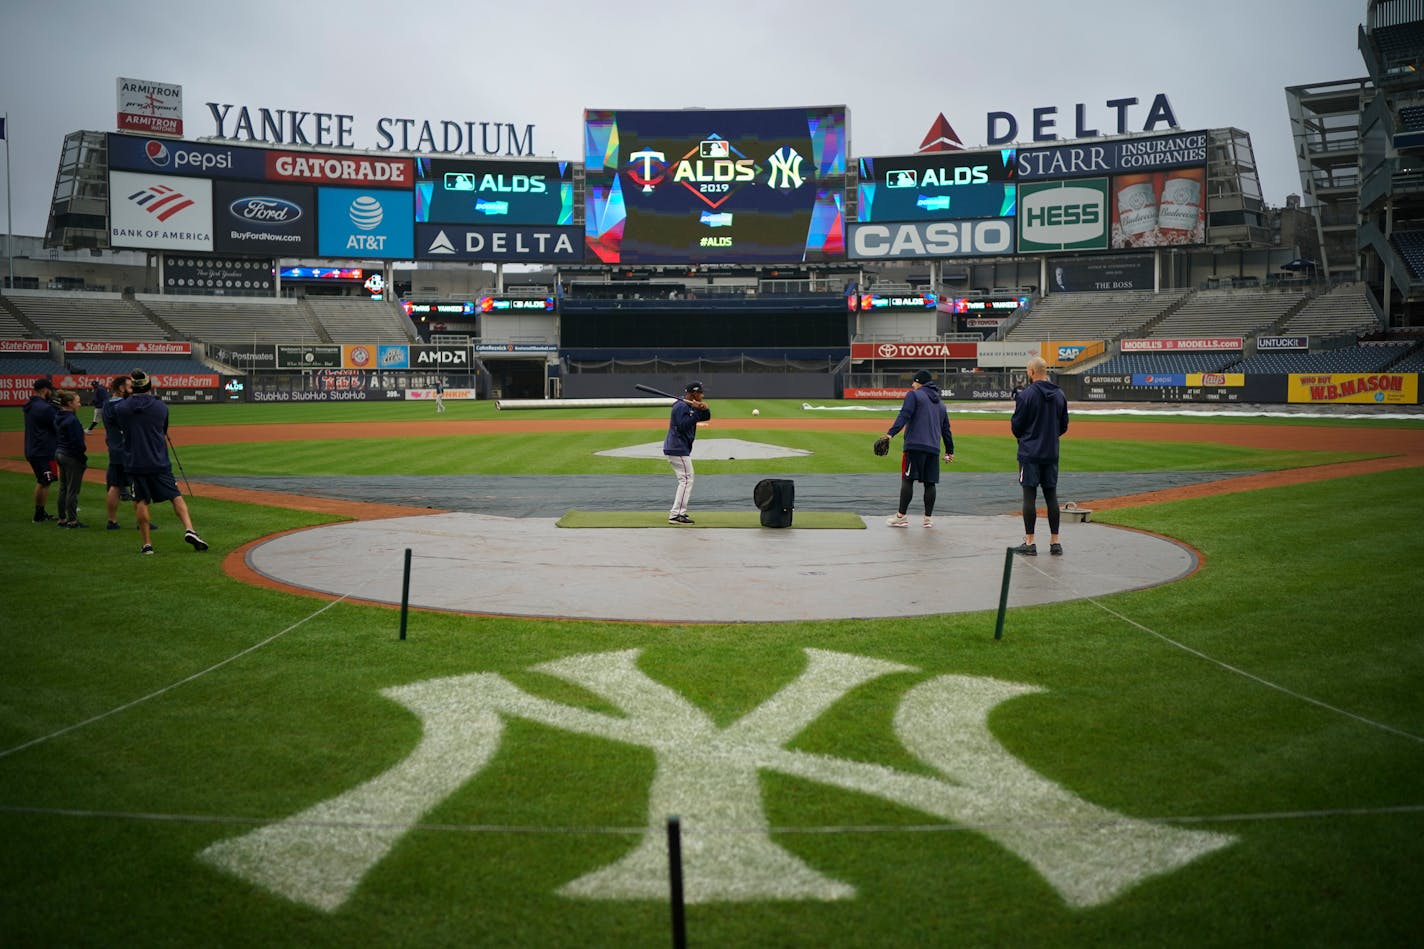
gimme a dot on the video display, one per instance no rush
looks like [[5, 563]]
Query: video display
[[936, 187], [707, 185], [453, 191]]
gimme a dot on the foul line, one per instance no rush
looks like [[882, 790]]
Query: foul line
[[168, 688], [1229, 667], [704, 829]]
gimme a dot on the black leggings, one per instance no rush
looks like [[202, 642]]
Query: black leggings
[[907, 492], [1030, 510]]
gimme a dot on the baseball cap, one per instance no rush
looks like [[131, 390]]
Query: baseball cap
[[693, 387], [43, 383], [923, 377], [141, 382]]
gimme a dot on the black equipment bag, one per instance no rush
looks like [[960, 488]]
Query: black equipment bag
[[775, 498]]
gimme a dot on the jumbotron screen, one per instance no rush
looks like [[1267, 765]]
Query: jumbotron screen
[[715, 186], [937, 187], [462, 191]]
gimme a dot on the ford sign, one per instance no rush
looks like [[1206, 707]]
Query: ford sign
[[265, 209]]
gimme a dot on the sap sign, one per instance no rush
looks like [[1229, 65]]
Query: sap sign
[[932, 239], [355, 222], [1063, 215]]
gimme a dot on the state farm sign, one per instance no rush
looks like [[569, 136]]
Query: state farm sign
[[861, 351]]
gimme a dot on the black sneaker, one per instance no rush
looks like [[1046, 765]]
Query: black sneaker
[[146, 549], [680, 519], [198, 543], [76, 524], [1028, 550], [42, 516], [113, 526], [1056, 550]]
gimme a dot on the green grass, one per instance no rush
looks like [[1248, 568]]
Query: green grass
[[1313, 588]]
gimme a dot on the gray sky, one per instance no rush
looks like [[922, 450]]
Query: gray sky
[[541, 62]]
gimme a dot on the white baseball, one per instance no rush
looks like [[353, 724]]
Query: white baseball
[[756, 411]]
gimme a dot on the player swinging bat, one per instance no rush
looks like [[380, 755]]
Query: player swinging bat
[[687, 411]]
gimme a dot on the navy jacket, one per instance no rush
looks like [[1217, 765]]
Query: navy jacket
[[682, 428], [41, 428], [71, 437], [101, 395], [923, 417], [1040, 416], [144, 419], [113, 433]]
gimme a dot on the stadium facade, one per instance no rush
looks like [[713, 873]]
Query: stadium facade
[[752, 246]]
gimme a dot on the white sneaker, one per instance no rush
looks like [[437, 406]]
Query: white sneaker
[[897, 520], [929, 522]]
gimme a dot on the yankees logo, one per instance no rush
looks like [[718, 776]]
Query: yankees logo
[[710, 777]]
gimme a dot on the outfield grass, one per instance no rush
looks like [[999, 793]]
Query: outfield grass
[[1312, 588]]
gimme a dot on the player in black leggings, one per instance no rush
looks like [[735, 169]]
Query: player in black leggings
[[1040, 417]]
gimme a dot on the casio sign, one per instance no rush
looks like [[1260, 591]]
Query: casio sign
[[932, 239], [265, 210]]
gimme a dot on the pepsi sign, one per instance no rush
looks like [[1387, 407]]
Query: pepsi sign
[[268, 219], [165, 156], [358, 222]]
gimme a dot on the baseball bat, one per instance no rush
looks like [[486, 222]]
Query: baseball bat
[[667, 395]]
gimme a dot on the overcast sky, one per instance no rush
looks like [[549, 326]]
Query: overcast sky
[[896, 66]]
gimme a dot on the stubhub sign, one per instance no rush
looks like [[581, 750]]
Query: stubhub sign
[[360, 222]]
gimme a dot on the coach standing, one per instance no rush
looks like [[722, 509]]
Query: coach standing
[[101, 395], [926, 423], [1040, 417], [144, 420], [41, 443]]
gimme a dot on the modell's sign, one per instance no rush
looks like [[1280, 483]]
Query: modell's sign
[[1204, 345], [913, 350], [154, 108], [157, 348]]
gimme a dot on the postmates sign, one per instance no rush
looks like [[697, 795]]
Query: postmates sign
[[710, 776]]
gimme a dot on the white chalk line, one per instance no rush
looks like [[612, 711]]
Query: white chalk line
[[168, 688], [706, 829], [1228, 666]]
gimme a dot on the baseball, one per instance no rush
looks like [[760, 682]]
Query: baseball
[[756, 411]]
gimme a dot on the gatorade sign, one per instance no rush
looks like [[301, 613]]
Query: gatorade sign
[[1063, 215]]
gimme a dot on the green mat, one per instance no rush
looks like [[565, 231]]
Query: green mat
[[804, 520]]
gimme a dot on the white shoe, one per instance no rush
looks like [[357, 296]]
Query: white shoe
[[897, 520], [929, 522]]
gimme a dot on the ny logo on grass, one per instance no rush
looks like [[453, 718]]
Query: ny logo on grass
[[709, 777]]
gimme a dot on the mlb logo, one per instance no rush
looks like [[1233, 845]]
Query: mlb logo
[[901, 178], [459, 181], [714, 148]]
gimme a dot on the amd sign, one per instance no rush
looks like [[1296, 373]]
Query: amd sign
[[439, 357], [932, 239]]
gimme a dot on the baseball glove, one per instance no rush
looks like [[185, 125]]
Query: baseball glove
[[882, 445]]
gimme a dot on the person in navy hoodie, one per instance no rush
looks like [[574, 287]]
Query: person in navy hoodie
[[41, 441], [101, 395], [116, 480], [72, 457], [926, 424], [677, 446], [144, 420], [1040, 417]]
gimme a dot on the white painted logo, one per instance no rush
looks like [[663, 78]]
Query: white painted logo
[[709, 776], [366, 212]]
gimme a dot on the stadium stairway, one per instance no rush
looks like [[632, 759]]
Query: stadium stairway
[[310, 315], [31, 329], [169, 331]]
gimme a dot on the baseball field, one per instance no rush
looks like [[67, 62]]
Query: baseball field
[[190, 758]]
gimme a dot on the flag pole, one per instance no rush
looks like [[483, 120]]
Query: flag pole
[[9, 207]]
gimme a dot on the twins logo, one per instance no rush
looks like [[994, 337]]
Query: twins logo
[[161, 201], [710, 777]]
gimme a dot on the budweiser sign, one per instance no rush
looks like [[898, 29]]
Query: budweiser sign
[[914, 350]]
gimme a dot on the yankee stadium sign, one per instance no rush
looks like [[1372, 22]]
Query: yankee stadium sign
[[336, 130]]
